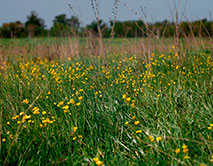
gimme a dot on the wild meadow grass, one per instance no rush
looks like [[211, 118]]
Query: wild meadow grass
[[128, 112]]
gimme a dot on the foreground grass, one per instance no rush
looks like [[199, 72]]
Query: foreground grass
[[78, 112]]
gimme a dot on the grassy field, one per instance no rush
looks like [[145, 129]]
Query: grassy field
[[132, 111], [56, 40]]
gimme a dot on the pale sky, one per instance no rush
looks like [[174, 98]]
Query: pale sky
[[155, 10]]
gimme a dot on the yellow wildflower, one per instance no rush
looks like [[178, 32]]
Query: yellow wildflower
[[126, 123], [185, 150], [80, 98], [99, 163], [151, 138], [96, 159], [66, 107], [124, 96], [36, 110], [158, 138], [25, 101], [21, 113], [78, 103], [128, 99], [139, 131], [177, 150], [184, 147], [75, 129], [44, 112], [80, 136], [186, 157]]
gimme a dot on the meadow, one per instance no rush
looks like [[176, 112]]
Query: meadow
[[136, 107]]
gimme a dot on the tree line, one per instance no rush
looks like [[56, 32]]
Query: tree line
[[64, 26]]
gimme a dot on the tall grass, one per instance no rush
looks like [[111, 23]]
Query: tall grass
[[125, 114], [96, 101]]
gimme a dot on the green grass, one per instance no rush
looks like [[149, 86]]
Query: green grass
[[171, 101], [55, 40]]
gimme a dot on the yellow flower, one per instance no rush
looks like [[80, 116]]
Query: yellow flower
[[128, 99], [72, 101], [8, 123], [186, 157], [78, 104], [211, 125], [137, 122], [80, 136], [75, 129], [21, 113], [185, 150], [209, 128], [177, 150], [36, 110], [74, 138], [3, 140], [139, 131], [126, 123], [44, 112], [80, 98], [60, 103], [99, 163], [25, 101], [66, 107], [47, 121], [151, 138], [41, 125], [124, 96], [158, 138], [25, 117], [184, 147], [96, 159]]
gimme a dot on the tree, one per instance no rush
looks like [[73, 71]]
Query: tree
[[34, 24], [72, 22], [93, 27], [33, 19], [63, 26], [60, 19]]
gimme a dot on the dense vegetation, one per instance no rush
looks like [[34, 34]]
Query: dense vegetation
[[63, 26], [133, 110]]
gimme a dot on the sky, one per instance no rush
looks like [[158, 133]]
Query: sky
[[153, 10]]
